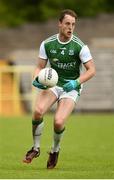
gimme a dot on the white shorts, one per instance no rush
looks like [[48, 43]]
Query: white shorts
[[60, 93]]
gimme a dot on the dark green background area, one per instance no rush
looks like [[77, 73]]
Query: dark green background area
[[16, 12]]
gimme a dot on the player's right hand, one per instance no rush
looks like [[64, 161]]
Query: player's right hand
[[37, 84]]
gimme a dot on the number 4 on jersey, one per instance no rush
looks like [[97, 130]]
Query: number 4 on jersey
[[62, 52]]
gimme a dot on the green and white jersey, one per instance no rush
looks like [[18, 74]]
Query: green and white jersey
[[65, 57]]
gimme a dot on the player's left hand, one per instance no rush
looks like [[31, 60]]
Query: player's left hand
[[71, 85]]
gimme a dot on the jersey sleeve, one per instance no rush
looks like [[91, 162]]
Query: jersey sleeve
[[42, 52], [85, 54]]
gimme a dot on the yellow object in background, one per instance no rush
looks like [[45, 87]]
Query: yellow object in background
[[11, 99]]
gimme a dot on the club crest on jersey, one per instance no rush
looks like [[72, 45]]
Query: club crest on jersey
[[71, 52]]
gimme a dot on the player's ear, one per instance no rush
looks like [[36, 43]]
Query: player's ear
[[59, 23]]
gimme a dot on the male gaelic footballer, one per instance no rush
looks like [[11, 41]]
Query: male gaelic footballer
[[66, 53]]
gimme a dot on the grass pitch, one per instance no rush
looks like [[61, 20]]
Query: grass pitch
[[87, 148]]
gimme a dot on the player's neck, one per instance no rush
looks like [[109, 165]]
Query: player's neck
[[64, 39]]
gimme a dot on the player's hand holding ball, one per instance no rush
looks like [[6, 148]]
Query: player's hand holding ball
[[71, 85], [46, 78], [37, 84]]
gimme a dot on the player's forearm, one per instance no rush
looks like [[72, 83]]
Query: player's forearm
[[75, 84], [36, 72], [87, 75], [41, 64]]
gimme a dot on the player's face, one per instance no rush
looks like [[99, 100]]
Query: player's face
[[66, 28]]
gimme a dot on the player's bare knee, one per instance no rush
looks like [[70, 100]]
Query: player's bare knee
[[38, 113], [58, 124]]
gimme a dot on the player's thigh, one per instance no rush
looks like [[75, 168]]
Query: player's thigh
[[64, 109], [45, 99]]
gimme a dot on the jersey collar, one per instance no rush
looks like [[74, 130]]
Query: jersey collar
[[63, 42]]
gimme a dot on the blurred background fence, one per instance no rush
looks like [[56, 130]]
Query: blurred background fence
[[16, 93]]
